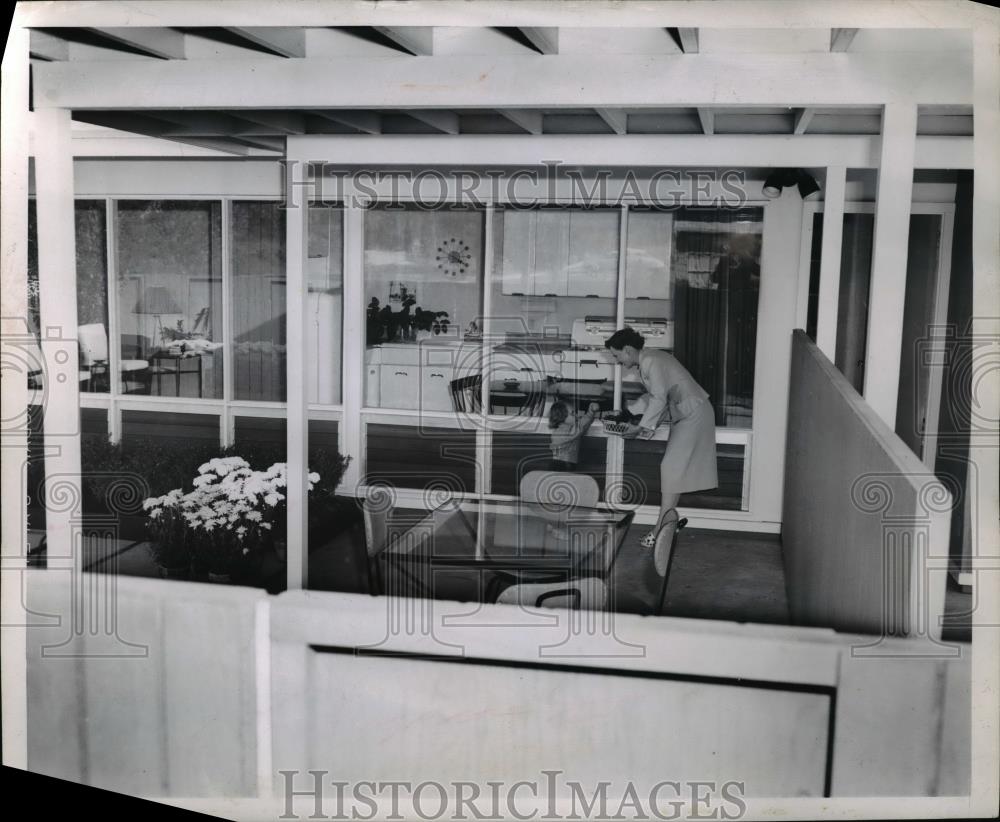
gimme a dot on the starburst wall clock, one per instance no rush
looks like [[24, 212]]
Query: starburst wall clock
[[453, 257]]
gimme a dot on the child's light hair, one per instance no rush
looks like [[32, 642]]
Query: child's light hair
[[558, 414]]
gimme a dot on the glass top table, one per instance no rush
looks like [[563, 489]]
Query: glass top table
[[494, 544]]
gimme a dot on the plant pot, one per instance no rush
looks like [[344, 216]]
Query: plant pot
[[220, 579]]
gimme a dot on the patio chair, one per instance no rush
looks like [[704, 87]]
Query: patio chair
[[560, 487], [375, 507], [35, 361], [93, 339], [663, 558], [587, 594], [466, 394]]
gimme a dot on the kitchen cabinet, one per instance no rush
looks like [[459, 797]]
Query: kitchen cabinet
[[560, 253], [399, 386], [418, 376], [647, 258]]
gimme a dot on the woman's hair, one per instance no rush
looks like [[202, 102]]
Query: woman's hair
[[557, 414], [625, 336]]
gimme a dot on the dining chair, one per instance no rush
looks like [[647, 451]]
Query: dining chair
[[93, 340], [35, 363], [663, 558], [586, 594], [375, 508], [466, 394], [560, 488]]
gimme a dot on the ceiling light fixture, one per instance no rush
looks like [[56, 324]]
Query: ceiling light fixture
[[784, 177]]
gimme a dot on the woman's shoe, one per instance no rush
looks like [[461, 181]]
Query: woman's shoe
[[649, 540]]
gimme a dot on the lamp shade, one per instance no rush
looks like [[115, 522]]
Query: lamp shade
[[807, 185], [157, 300]]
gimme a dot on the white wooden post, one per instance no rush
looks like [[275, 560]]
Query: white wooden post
[[829, 269], [983, 485], [772, 366], [14, 312], [57, 299], [888, 281], [296, 226], [353, 363]]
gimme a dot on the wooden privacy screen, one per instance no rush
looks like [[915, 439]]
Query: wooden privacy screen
[[865, 524]]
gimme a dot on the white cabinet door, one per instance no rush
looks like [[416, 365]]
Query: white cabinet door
[[647, 259], [373, 390], [435, 394], [592, 262], [518, 269], [399, 386], [552, 253]]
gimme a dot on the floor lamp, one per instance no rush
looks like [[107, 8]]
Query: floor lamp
[[157, 301]]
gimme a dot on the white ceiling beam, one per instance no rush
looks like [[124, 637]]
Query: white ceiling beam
[[545, 39], [165, 43], [760, 14], [840, 39], [47, 47], [617, 120], [707, 118], [445, 121], [288, 41], [802, 119], [285, 122], [366, 121], [530, 121], [418, 40], [613, 81], [634, 150], [689, 40]]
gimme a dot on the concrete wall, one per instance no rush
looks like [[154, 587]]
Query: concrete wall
[[862, 515], [191, 690]]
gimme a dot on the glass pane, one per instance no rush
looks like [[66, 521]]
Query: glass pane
[[641, 483], [855, 287], [716, 266], [423, 275], [258, 288], [91, 278], [170, 297], [325, 276]]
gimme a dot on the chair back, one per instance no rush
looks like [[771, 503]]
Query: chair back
[[560, 488], [584, 594], [663, 554], [93, 341], [375, 508], [466, 394]]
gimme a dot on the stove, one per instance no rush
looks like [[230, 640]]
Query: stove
[[589, 361]]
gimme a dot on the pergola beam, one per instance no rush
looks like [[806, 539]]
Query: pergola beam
[[418, 40], [802, 119], [707, 119], [288, 41], [613, 81], [530, 121], [841, 39], [365, 121], [47, 47], [545, 40], [444, 121], [632, 150], [165, 43], [616, 120], [762, 14], [685, 38]]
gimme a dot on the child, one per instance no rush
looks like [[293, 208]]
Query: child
[[567, 430]]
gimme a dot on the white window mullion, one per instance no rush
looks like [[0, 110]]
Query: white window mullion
[[226, 423], [484, 437], [114, 331]]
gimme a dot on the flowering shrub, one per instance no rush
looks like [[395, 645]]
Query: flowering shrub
[[230, 511]]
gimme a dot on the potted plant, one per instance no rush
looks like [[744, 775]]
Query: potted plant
[[169, 534]]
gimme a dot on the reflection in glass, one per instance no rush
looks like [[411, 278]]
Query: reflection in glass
[[170, 297], [91, 282], [423, 276]]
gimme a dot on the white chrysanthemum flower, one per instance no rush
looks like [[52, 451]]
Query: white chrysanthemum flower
[[254, 516], [313, 477], [273, 499]]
